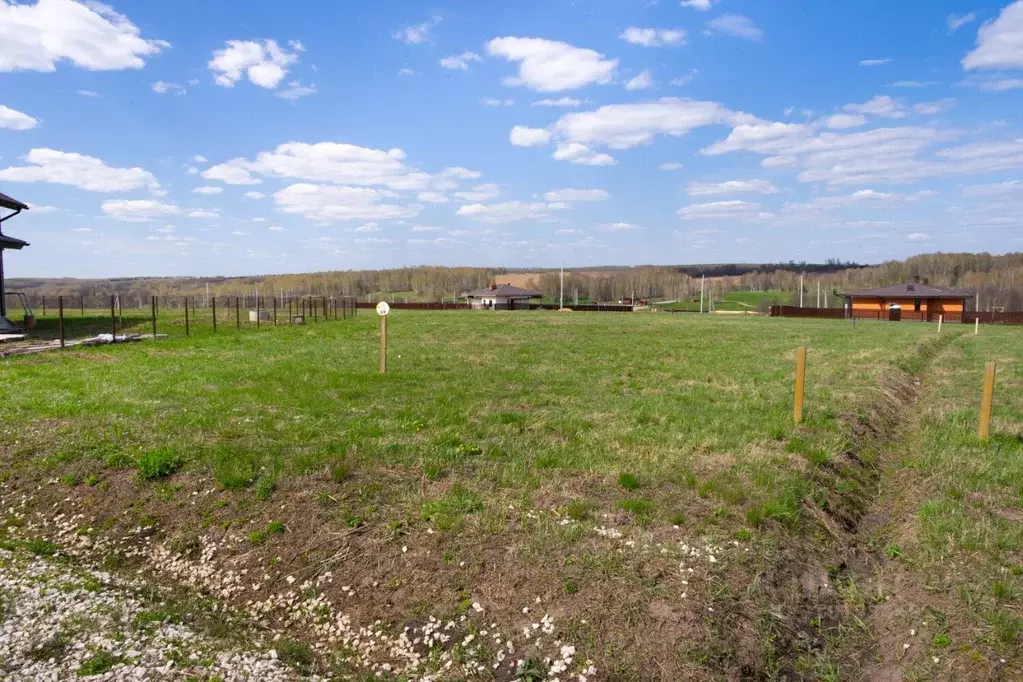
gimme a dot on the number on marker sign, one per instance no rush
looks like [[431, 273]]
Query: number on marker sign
[[383, 308]]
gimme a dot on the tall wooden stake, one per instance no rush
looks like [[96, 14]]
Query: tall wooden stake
[[113, 321], [797, 410], [976, 326], [237, 314], [152, 305], [60, 318], [985, 400], [275, 309], [186, 316], [383, 344], [213, 302]]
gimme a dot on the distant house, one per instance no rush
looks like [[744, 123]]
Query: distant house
[[7, 242], [632, 301], [916, 301], [501, 297]]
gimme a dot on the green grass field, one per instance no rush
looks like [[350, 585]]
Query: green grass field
[[507, 457], [735, 301]]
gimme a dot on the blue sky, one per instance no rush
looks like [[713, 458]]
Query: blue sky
[[231, 137]]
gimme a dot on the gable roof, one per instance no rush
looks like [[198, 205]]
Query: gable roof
[[504, 290], [909, 290], [11, 203]]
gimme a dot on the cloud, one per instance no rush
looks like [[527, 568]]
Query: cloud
[[331, 202], [722, 210], [569, 102], [1001, 84], [875, 62], [483, 192], [275, 228], [755, 186], [460, 62], [912, 84], [199, 158], [641, 81], [368, 227], [489, 102], [654, 37], [208, 190], [623, 126], [334, 162], [700, 5], [878, 105], [406, 72], [552, 66], [263, 63], [580, 154], [87, 93], [89, 35], [460, 173], [999, 42], [418, 34], [918, 236], [163, 88], [204, 214], [296, 90], [569, 195], [191, 170], [425, 228], [620, 227], [254, 195], [521, 136], [16, 120], [138, 210], [840, 121], [433, 197], [439, 241], [670, 166], [509, 211], [84, 172], [38, 209], [995, 189], [736, 25], [936, 107], [957, 21], [684, 79]]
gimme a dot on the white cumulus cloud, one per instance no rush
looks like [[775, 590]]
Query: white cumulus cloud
[[78, 170], [332, 202], [552, 66], [460, 62], [957, 21], [641, 81], [208, 190], [264, 63], [138, 210], [482, 192], [736, 25], [754, 186], [13, 119], [999, 42], [90, 35], [418, 33], [509, 211], [522, 136], [569, 195]]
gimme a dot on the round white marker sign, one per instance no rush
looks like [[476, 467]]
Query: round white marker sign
[[383, 308]]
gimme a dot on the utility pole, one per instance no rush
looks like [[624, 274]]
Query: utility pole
[[562, 295], [703, 281]]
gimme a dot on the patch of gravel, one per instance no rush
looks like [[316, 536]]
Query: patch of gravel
[[59, 621]]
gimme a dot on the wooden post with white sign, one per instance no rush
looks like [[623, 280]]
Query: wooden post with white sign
[[382, 310]]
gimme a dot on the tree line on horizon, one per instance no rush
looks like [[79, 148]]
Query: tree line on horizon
[[998, 280]]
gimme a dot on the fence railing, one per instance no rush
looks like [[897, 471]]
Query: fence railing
[[796, 311], [1008, 317]]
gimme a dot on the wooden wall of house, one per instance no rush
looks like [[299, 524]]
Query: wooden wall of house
[[934, 305]]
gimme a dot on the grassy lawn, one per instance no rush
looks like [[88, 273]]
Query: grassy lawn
[[504, 454], [735, 301]]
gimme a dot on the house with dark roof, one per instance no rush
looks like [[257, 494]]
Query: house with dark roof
[[501, 297], [914, 300], [8, 243]]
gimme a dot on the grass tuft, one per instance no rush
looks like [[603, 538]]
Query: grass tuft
[[159, 463]]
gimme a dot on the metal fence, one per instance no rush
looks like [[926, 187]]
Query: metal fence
[[1008, 317]]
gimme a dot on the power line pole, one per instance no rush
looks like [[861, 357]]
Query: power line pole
[[562, 295]]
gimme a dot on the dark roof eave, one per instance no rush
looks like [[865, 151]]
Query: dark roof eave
[[907, 294], [12, 203]]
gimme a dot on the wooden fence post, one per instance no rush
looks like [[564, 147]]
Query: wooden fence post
[[941, 318], [152, 304], [976, 326], [82, 304], [44, 306], [60, 318], [257, 312], [113, 321], [797, 410], [213, 301], [985, 400], [237, 313], [275, 309], [186, 316]]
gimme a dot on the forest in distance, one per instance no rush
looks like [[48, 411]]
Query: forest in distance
[[996, 279]]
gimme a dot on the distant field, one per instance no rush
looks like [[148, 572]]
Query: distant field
[[636, 478], [735, 301]]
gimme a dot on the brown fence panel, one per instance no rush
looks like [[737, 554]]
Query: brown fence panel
[[796, 311], [432, 305], [1008, 317]]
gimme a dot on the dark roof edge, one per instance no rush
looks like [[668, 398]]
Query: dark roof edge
[[12, 203]]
